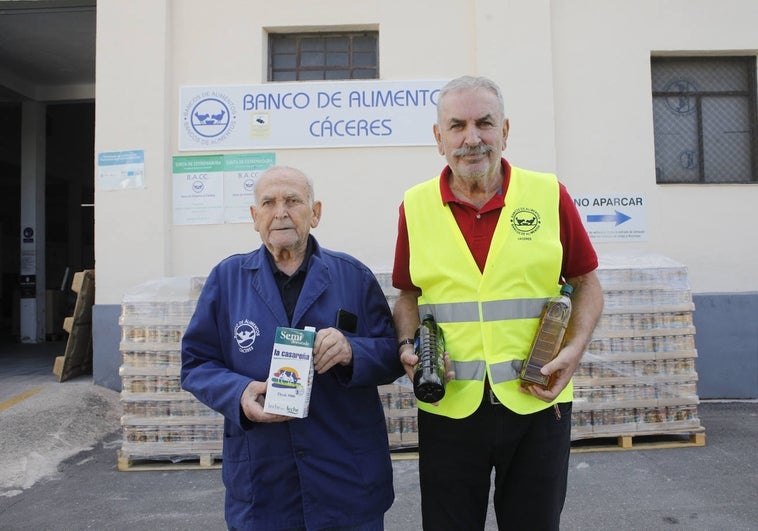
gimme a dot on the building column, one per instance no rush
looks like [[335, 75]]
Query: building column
[[32, 261]]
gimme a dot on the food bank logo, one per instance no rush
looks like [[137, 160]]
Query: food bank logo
[[209, 117], [525, 221], [245, 333]]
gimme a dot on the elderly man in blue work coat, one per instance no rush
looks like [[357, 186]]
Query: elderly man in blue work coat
[[331, 469]]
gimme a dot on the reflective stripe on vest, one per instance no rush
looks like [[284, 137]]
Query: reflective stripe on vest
[[469, 370], [475, 370], [464, 312]]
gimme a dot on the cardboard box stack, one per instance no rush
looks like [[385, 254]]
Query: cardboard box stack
[[638, 374], [400, 412], [160, 420]]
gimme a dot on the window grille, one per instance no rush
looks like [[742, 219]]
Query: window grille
[[323, 56], [704, 116]]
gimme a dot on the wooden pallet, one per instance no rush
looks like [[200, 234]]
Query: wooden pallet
[[641, 441], [77, 358], [610, 443], [141, 463]]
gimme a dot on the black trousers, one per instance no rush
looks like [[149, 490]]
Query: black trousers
[[529, 453]]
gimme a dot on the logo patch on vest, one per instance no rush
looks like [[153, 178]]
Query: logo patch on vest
[[245, 333], [525, 222]]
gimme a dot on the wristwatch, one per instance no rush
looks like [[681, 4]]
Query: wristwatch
[[406, 341]]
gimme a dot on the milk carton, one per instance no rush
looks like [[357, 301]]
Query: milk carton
[[291, 373]]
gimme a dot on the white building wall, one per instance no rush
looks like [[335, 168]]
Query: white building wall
[[576, 80], [604, 126], [133, 106]]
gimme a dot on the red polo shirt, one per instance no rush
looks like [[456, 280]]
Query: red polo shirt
[[478, 226]]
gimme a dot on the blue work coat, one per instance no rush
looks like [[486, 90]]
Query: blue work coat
[[333, 467]]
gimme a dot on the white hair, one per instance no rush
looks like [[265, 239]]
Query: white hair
[[273, 169], [470, 83]]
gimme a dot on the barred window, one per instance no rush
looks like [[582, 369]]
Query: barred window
[[704, 116], [323, 56]]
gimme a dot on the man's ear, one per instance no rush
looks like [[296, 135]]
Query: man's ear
[[252, 215], [316, 214], [438, 139]]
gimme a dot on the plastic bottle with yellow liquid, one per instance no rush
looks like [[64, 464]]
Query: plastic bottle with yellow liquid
[[549, 339]]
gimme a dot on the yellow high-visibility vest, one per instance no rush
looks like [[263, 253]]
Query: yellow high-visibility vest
[[488, 318]]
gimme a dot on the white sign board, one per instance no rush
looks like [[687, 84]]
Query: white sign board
[[211, 189], [308, 115], [198, 190], [614, 217], [119, 170]]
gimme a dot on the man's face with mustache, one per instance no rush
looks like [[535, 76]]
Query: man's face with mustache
[[471, 133]]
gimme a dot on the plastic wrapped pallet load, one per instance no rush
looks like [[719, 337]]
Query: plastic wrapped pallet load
[[638, 374], [161, 422]]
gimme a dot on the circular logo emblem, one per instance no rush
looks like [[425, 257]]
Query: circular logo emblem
[[682, 103], [525, 221], [210, 117], [198, 186], [245, 333]]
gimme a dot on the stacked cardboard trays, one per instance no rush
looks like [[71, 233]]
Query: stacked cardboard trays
[[160, 420], [400, 412], [638, 374]]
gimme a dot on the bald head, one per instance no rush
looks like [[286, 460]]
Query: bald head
[[283, 173]]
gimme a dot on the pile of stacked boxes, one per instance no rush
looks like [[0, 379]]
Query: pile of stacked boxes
[[637, 377], [638, 374], [160, 420]]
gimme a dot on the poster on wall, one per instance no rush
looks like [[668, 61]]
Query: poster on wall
[[198, 190], [121, 170], [215, 189], [308, 115], [240, 173]]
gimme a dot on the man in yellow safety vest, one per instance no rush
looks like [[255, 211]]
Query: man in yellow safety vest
[[482, 247]]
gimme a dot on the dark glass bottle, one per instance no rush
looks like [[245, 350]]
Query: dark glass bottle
[[549, 339], [429, 375]]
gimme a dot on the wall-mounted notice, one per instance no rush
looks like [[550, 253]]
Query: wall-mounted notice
[[198, 190], [240, 173], [308, 115], [211, 189], [121, 170], [614, 217]]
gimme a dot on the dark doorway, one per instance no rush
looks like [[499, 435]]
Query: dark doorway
[[69, 209], [10, 200]]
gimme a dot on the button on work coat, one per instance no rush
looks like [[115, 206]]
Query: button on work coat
[[333, 467]]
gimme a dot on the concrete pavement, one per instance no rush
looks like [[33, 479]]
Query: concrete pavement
[[58, 469]]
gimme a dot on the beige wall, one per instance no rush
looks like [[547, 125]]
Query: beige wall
[[604, 126], [575, 74]]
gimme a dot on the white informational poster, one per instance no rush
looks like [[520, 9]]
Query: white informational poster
[[614, 217], [240, 173], [198, 190], [215, 189], [121, 170], [308, 115]]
